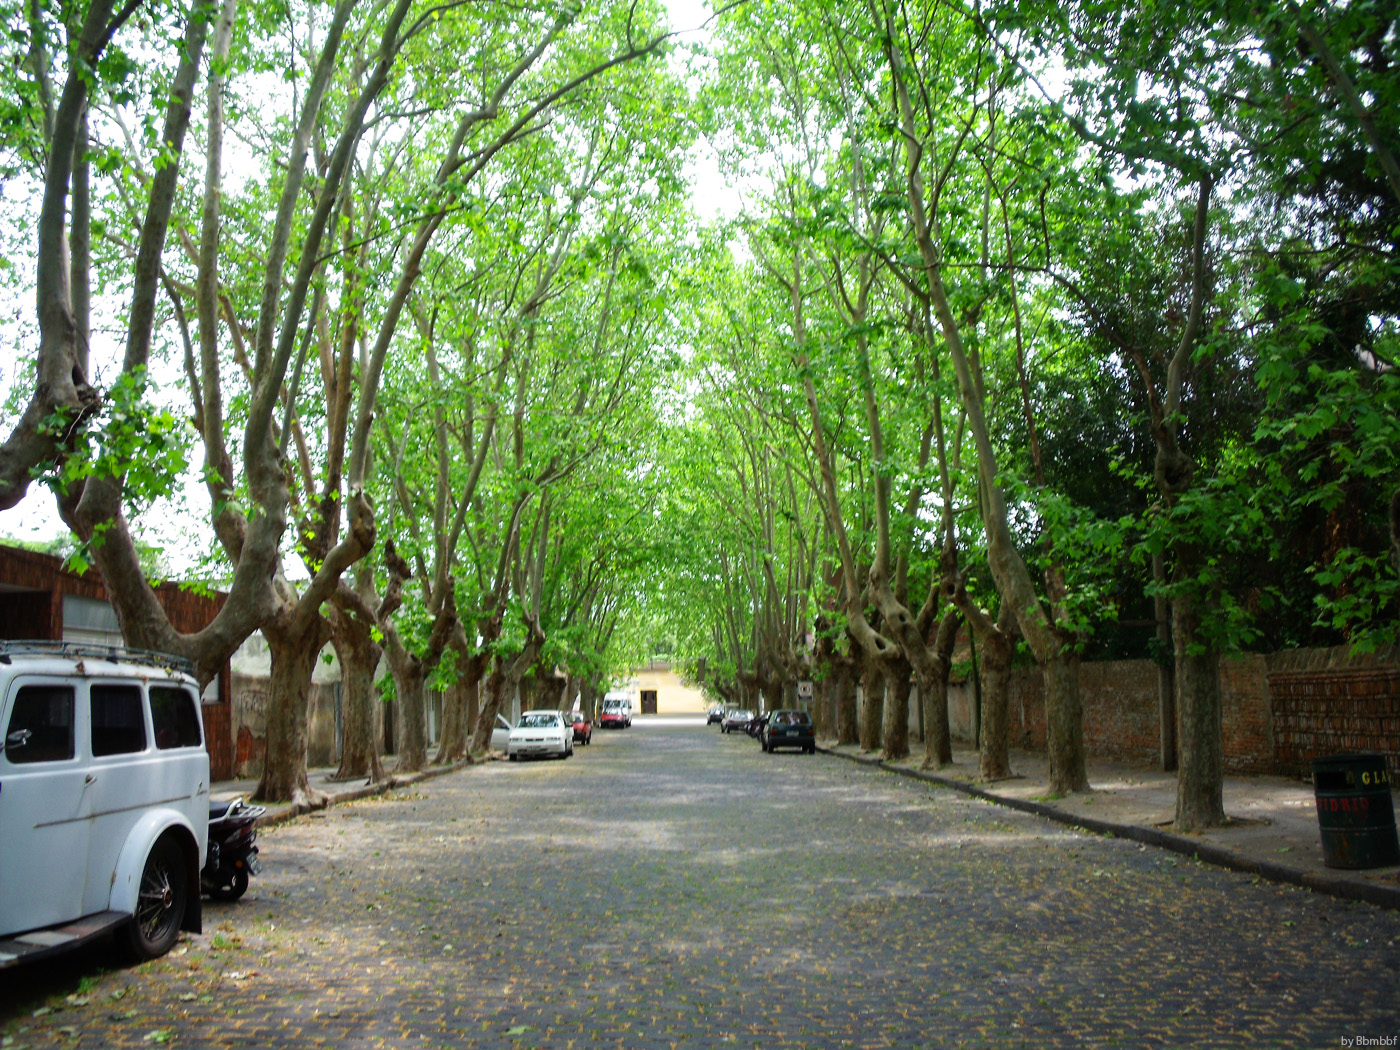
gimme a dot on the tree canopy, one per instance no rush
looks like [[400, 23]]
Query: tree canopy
[[1076, 325]]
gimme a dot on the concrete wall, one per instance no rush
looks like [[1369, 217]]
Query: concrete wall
[[249, 720]]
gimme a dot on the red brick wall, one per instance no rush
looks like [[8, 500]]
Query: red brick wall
[[1320, 713], [1245, 706], [1351, 704], [1120, 710]]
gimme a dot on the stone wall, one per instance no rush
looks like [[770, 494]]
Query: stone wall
[[249, 724]]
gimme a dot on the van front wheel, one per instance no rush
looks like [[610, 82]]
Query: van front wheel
[[160, 904]]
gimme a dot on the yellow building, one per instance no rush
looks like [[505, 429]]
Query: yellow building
[[656, 689]]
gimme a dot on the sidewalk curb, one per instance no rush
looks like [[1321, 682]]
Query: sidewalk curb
[[284, 812], [1333, 885]]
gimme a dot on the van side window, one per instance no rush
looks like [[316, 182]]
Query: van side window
[[118, 724], [41, 725], [173, 717]]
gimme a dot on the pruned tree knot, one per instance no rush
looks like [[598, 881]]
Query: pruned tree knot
[[1173, 471]]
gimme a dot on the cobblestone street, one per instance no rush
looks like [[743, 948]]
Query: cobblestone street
[[675, 887]]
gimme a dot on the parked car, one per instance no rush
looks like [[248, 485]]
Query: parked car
[[104, 798], [583, 728], [736, 720], [715, 716], [500, 735], [615, 714], [756, 724], [789, 728], [541, 733]]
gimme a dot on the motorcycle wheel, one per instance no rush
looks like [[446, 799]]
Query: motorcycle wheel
[[236, 887]]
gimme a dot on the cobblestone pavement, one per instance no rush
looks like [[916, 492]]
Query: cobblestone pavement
[[675, 887]]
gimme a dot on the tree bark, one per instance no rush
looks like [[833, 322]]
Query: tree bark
[[847, 720], [998, 643], [1064, 723], [359, 736], [1200, 800], [872, 708], [491, 691], [459, 704], [294, 648], [410, 719], [895, 736], [933, 694], [452, 734], [503, 681], [1166, 673]]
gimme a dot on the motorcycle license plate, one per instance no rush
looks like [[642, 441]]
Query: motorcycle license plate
[[253, 866]]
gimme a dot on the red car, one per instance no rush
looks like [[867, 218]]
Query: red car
[[615, 715], [583, 728]]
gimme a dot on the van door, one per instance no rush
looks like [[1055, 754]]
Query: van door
[[43, 833], [147, 752]]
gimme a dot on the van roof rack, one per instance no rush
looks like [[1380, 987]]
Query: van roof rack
[[93, 650]]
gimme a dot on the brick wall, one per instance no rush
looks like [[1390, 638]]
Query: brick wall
[[1320, 713], [1279, 711], [1245, 713]]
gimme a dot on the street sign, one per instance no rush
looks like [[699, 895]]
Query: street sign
[[804, 690]]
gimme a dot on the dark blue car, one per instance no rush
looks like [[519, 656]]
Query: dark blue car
[[789, 729]]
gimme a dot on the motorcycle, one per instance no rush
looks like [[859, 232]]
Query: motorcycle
[[233, 854]]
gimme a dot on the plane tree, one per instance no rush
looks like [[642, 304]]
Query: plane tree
[[97, 459], [1229, 143]]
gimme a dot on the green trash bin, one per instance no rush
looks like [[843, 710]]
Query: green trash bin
[[1355, 811]]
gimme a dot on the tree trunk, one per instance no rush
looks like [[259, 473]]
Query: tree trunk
[[452, 735], [895, 735], [503, 682], [847, 720], [933, 694], [490, 707], [1064, 724], [823, 700], [460, 708], [994, 757], [1200, 800], [1166, 674], [410, 721], [359, 740], [872, 708], [294, 654]]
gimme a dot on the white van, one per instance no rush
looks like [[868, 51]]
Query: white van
[[104, 798], [616, 712]]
